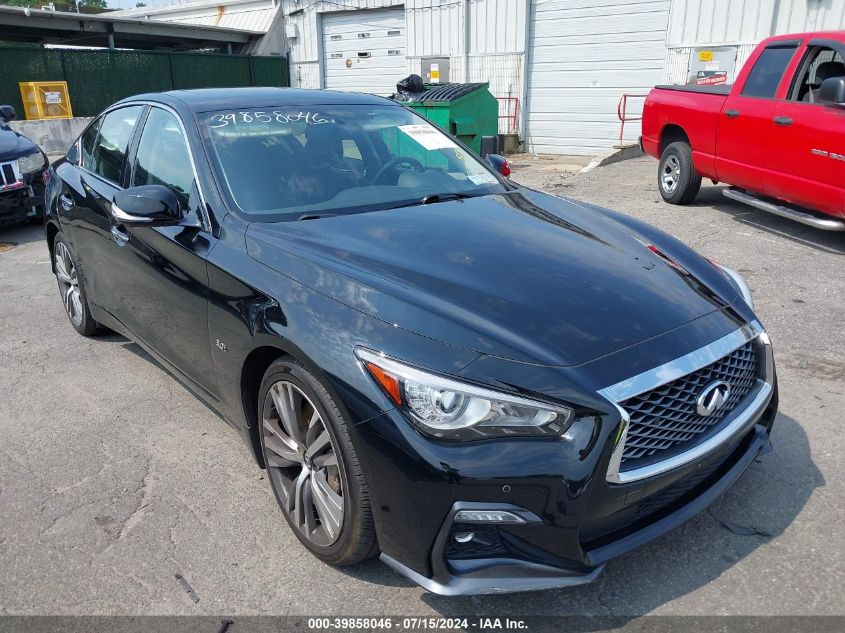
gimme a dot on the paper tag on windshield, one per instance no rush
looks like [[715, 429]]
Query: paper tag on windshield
[[428, 136], [482, 179]]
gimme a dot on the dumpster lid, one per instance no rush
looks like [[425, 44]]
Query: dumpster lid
[[444, 93]]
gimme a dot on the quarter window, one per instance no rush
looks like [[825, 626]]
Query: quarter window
[[764, 78], [89, 140], [109, 152], [163, 158]]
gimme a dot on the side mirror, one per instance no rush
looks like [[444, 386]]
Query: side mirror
[[151, 205], [7, 112], [832, 91], [499, 163]]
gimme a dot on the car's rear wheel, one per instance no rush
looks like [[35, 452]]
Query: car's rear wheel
[[677, 177], [312, 466], [72, 288]]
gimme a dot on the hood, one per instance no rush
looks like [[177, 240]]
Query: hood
[[522, 275], [13, 145]]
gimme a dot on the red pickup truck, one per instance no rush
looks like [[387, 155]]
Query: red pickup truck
[[777, 135]]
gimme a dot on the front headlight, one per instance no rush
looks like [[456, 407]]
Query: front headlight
[[448, 408], [738, 281], [32, 163]]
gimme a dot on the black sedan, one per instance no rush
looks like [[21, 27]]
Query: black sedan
[[22, 165], [493, 388]]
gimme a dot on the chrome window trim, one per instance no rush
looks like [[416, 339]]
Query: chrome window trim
[[103, 114], [738, 420]]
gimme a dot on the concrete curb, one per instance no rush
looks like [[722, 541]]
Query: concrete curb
[[614, 156]]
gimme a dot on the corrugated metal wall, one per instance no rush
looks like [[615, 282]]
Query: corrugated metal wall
[[740, 23], [694, 22]]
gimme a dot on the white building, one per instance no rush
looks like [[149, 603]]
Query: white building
[[559, 67]]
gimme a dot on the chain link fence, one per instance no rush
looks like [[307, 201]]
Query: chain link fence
[[98, 78]]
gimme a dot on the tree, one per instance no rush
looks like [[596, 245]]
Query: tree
[[61, 5], [140, 5]]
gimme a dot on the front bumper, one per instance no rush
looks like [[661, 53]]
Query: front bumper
[[583, 520], [24, 201]]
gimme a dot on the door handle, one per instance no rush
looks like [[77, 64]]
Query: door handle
[[783, 120], [66, 201], [732, 113], [119, 236]]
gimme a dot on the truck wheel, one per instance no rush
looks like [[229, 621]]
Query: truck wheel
[[677, 178]]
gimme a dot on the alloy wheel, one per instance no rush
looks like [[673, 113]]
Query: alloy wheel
[[68, 283], [303, 464], [671, 175]]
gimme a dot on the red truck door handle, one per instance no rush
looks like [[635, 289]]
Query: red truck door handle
[[732, 113], [783, 120]]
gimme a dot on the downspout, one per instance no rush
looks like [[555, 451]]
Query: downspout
[[525, 67], [466, 40]]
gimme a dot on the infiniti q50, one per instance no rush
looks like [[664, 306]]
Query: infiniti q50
[[489, 387]]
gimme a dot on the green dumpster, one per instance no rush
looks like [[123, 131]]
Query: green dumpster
[[467, 111]]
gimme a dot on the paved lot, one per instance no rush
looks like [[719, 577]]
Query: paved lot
[[114, 479]]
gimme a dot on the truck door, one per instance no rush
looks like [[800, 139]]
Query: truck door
[[807, 149], [745, 121]]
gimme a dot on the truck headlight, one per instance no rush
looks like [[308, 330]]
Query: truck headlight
[[32, 163], [448, 408]]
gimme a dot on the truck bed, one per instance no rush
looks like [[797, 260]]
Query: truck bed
[[722, 90]]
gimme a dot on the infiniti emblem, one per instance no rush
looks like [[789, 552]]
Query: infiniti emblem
[[713, 398]]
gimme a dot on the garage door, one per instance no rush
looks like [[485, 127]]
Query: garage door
[[364, 51], [583, 55]]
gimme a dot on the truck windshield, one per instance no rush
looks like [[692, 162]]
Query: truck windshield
[[289, 163]]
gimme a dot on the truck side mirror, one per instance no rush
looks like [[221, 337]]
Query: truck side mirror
[[7, 112], [832, 91]]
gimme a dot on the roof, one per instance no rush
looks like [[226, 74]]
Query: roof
[[254, 15], [207, 99], [44, 26]]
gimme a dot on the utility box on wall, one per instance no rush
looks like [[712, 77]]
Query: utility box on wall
[[711, 65], [435, 70]]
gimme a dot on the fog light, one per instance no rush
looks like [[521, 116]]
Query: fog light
[[487, 516], [464, 537]]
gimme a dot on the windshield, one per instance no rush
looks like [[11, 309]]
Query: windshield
[[287, 163]]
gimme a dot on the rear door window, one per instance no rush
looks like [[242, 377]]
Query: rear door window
[[110, 149], [765, 76]]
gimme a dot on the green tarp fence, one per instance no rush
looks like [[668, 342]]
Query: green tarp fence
[[98, 78]]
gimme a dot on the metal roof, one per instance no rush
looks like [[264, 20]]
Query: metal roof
[[57, 27], [253, 15]]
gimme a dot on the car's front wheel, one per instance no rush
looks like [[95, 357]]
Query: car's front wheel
[[677, 177], [72, 288], [312, 466]]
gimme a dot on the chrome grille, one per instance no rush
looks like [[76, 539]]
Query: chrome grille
[[665, 418]]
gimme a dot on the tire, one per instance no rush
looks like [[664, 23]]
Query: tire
[[677, 179], [72, 287], [312, 466]]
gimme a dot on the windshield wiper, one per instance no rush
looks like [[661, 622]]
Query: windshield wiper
[[315, 216], [442, 197]]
